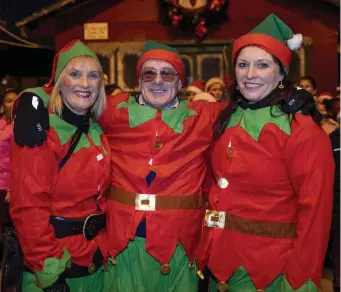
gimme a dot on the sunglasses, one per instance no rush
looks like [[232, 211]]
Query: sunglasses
[[166, 75]]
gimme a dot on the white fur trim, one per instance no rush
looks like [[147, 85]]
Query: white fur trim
[[295, 42], [194, 89], [204, 96], [213, 80]]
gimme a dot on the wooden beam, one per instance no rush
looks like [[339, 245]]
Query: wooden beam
[[44, 11]]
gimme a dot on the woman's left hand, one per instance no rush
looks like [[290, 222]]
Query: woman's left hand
[[8, 196]]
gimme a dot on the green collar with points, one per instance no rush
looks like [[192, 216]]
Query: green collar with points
[[65, 131], [174, 118], [253, 121]]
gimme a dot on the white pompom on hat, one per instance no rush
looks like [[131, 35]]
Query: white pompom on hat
[[197, 86], [204, 96], [295, 42]]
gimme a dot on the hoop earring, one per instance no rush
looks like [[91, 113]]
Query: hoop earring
[[281, 86], [237, 87]]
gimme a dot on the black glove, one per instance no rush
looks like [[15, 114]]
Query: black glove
[[31, 120], [59, 286], [300, 100]]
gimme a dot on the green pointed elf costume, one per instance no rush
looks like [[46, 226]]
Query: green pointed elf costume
[[39, 192], [268, 219]]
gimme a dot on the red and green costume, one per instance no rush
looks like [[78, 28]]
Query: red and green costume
[[271, 204], [39, 191], [172, 145], [173, 229], [280, 173]]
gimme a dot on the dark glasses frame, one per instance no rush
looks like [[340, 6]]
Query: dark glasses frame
[[166, 75]]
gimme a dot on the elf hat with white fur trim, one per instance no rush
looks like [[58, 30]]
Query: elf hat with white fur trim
[[197, 86], [273, 36]]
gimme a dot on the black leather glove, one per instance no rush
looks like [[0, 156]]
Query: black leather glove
[[59, 286], [31, 120], [300, 100]]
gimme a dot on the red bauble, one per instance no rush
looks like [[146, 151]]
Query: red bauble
[[216, 5], [193, 11], [201, 29]]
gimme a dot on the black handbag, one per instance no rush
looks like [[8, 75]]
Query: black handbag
[[12, 263]]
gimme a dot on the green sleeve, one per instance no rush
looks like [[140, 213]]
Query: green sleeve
[[52, 269]]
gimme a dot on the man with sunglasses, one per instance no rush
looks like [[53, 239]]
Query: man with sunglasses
[[155, 205]]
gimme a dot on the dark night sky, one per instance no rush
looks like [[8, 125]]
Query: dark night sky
[[14, 10], [20, 61]]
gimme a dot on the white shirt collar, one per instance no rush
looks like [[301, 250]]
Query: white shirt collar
[[173, 104]]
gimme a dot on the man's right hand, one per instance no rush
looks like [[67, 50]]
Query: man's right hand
[[31, 120]]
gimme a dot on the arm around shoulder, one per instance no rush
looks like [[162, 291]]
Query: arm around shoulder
[[31, 120]]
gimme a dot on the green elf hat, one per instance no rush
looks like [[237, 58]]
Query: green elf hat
[[73, 49], [155, 50], [273, 36]]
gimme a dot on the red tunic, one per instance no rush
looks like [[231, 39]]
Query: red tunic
[[279, 173], [39, 191], [180, 167]]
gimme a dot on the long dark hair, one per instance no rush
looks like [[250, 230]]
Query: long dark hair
[[235, 96]]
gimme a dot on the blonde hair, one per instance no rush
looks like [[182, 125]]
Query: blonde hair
[[56, 102]]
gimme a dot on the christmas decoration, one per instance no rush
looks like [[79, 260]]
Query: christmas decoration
[[194, 16]]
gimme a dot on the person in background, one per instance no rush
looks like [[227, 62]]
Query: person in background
[[112, 89], [333, 115], [197, 86], [7, 99], [329, 108], [57, 204], [269, 212], [309, 84], [215, 86], [320, 103]]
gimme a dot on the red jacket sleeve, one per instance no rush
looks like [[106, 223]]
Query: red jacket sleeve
[[33, 176], [311, 168], [107, 120]]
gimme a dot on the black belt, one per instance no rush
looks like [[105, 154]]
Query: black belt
[[89, 227]]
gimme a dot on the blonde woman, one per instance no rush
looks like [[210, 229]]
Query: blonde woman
[[57, 206]]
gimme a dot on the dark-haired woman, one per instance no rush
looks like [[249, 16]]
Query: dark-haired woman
[[309, 84], [268, 219]]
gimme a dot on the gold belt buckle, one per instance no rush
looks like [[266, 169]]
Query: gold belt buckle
[[215, 218], [145, 202]]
